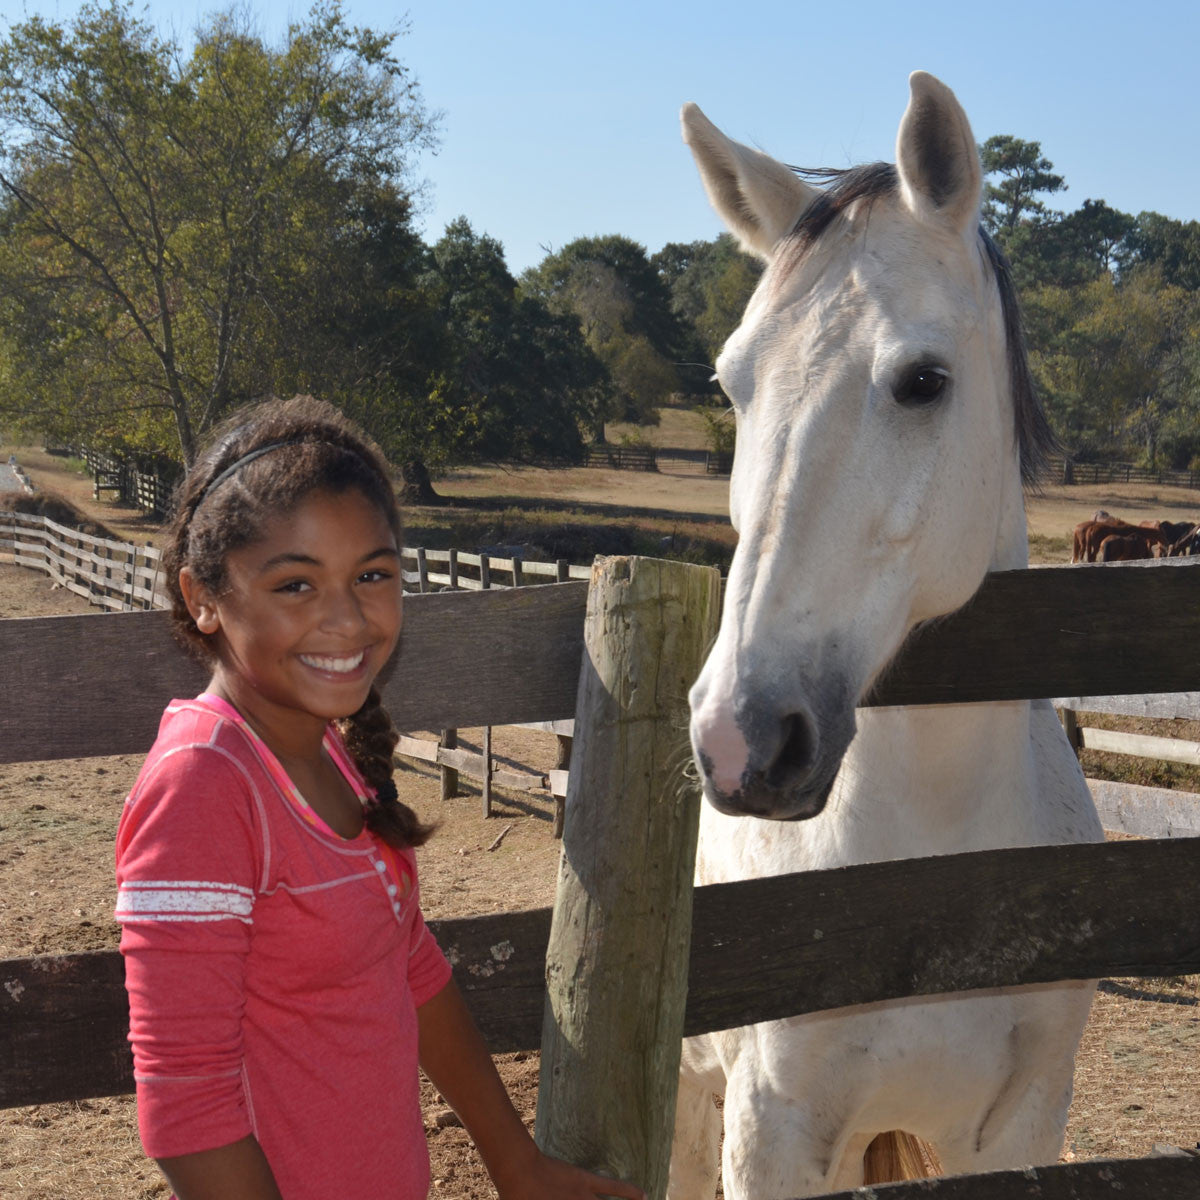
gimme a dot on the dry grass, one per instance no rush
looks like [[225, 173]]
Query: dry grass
[[1136, 1076]]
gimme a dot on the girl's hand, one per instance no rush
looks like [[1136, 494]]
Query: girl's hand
[[552, 1179], [458, 1063]]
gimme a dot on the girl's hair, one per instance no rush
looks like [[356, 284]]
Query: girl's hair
[[261, 463]]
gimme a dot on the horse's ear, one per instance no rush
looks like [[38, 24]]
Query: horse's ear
[[758, 198], [936, 156]]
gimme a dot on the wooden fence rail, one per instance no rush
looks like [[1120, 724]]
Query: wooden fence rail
[[761, 950], [623, 458], [92, 566], [1135, 808], [108, 573], [1070, 472]]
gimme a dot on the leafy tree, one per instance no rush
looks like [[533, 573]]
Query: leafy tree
[[1025, 174], [1172, 246], [1117, 363], [516, 380], [624, 309], [1068, 249], [710, 285], [175, 233]]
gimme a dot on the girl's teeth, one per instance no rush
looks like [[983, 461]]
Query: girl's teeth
[[322, 663]]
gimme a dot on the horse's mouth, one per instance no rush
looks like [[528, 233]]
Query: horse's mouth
[[758, 797]]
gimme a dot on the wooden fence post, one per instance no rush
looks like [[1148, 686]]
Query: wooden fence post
[[422, 570], [1070, 723], [487, 771], [616, 967], [449, 741], [452, 564]]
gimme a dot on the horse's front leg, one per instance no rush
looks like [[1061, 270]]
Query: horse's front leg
[[696, 1149], [779, 1146]]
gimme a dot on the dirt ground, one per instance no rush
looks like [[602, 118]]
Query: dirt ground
[[1138, 1078]]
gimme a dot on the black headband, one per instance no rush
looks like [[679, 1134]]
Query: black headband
[[241, 462]]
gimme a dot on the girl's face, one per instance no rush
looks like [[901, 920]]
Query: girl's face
[[308, 616]]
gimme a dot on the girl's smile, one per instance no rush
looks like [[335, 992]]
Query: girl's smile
[[308, 616]]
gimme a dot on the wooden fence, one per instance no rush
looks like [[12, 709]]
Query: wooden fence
[[1071, 472], [146, 485], [122, 575], [623, 458], [1133, 808], [507, 656], [112, 574]]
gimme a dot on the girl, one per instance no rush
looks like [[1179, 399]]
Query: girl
[[282, 983]]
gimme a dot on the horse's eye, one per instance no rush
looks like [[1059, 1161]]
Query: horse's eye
[[921, 385]]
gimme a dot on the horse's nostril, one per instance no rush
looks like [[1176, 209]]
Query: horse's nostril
[[796, 753]]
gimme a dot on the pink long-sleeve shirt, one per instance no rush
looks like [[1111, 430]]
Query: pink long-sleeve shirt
[[273, 967]]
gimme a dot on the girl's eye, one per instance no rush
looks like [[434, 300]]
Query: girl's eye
[[375, 575], [293, 587]]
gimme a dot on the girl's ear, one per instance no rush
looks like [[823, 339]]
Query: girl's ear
[[201, 603]]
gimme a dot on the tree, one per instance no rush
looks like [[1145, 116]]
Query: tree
[[1117, 362], [175, 232], [710, 285], [1024, 175], [514, 380], [1172, 246], [624, 311], [1068, 249]]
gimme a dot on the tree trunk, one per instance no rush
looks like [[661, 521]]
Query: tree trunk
[[417, 487]]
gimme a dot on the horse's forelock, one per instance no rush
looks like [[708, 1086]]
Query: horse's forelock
[[1035, 439]]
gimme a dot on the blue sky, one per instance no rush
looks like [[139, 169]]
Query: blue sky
[[561, 119]]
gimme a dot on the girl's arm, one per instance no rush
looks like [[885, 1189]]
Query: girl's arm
[[235, 1172], [457, 1061]]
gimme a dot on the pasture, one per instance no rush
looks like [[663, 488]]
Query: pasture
[[1136, 1083]]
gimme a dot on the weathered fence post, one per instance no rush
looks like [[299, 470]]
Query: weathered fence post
[[1070, 724], [616, 967], [487, 771], [448, 741]]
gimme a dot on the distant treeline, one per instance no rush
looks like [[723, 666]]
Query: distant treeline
[[184, 232]]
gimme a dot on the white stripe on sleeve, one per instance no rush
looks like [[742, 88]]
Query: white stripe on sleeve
[[183, 900]]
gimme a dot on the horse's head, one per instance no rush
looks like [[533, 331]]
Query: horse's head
[[876, 476]]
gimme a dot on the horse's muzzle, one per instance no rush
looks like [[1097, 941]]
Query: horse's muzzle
[[789, 769]]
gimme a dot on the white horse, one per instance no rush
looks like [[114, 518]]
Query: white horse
[[884, 414]]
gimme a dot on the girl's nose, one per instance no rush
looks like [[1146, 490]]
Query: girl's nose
[[343, 612]]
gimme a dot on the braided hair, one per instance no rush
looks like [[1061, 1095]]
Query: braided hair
[[262, 463]]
